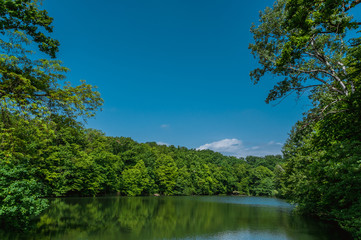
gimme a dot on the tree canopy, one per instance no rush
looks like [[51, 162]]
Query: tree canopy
[[311, 46]]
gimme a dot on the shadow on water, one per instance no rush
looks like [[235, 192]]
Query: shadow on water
[[109, 218]]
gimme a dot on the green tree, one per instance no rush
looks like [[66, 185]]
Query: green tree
[[242, 174], [31, 85], [26, 16], [310, 57], [315, 47], [323, 177], [332, 17], [184, 184], [19, 197], [261, 181], [166, 174], [136, 180], [35, 101], [203, 179]]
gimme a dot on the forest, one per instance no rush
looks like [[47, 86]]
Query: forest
[[46, 151], [69, 160]]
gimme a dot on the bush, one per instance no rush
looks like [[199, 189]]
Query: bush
[[20, 200]]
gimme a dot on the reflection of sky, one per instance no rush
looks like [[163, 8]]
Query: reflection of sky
[[259, 201], [242, 235]]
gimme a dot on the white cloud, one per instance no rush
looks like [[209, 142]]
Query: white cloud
[[274, 143], [236, 147], [163, 143], [165, 126], [233, 147], [225, 145]]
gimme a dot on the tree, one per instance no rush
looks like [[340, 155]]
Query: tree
[[25, 15], [305, 43], [323, 177], [261, 181], [19, 197], [30, 85], [166, 174], [35, 102], [314, 47], [136, 180], [241, 171], [314, 18]]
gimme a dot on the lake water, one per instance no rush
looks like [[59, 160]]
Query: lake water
[[196, 217]]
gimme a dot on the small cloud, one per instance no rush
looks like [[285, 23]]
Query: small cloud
[[163, 143], [224, 146], [274, 143], [165, 126], [237, 148]]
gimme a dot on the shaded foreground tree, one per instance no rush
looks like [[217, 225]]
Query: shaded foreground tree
[[33, 98], [314, 48]]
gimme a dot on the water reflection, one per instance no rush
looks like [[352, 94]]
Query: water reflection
[[175, 218]]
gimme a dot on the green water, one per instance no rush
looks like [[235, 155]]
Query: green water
[[215, 217]]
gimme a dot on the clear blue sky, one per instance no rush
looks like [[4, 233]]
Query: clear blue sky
[[175, 72]]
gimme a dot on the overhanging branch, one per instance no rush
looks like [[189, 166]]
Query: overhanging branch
[[352, 4]]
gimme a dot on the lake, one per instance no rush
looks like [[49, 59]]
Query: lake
[[195, 217]]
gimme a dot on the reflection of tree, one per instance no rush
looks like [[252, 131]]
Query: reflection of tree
[[159, 218]]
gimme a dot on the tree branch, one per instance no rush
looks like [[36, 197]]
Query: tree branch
[[345, 72], [303, 88], [328, 105], [317, 78], [352, 4], [283, 98], [323, 59]]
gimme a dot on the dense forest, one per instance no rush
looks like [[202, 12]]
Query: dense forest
[[45, 150]]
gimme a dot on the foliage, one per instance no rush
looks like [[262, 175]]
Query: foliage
[[166, 174], [19, 196], [323, 176], [37, 106], [71, 160], [261, 178], [306, 55], [31, 85], [314, 48], [26, 16], [136, 180]]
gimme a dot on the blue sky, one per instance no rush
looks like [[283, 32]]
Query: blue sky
[[174, 72]]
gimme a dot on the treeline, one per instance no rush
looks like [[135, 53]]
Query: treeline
[[62, 158]]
